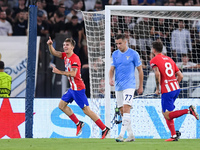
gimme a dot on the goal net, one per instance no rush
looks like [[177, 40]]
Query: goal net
[[178, 28]]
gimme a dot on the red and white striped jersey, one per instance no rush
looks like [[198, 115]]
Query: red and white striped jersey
[[76, 82], [168, 69]]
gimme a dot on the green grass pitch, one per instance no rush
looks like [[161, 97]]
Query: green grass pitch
[[97, 144]]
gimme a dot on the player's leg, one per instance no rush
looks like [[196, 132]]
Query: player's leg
[[127, 118], [175, 114], [131, 137], [94, 117], [127, 97], [170, 114], [119, 98], [82, 101], [167, 102], [126, 123], [63, 105], [97, 120], [170, 124]]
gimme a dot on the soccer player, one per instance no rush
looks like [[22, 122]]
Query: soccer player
[[125, 60], [168, 76], [77, 90]]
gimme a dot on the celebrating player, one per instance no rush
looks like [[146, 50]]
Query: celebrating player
[[168, 76], [77, 90], [124, 62]]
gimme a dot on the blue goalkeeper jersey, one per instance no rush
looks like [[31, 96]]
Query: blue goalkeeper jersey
[[125, 64]]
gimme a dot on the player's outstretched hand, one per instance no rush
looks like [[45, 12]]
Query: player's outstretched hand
[[49, 42], [55, 70]]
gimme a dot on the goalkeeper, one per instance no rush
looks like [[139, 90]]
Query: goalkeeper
[[124, 62], [77, 90]]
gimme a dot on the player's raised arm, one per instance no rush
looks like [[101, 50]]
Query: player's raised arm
[[52, 50]]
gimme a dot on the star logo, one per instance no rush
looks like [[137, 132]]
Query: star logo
[[10, 121]]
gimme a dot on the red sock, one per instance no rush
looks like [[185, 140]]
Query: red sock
[[74, 119], [177, 113], [170, 124], [100, 124]]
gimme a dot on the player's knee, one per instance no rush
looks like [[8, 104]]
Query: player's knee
[[126, 108], [166, 115], [61, 106], [86, 110]]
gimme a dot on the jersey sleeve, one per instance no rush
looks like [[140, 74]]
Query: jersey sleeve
[[63, 55], [75, 63], [153, 63], [112, 60]]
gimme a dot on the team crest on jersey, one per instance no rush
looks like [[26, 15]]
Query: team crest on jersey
[[127, 57]]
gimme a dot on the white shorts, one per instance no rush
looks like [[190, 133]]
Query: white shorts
[[125, 97]]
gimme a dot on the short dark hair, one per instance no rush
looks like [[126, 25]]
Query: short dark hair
[[158, 46], [1, 65], [76, 1], [70, 40], [59, 14], [120, 36], [61, 5], [74, 17], [98, 2], [184, 55]]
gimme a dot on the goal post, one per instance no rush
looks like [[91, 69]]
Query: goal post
[[107, 66], [102, 26]]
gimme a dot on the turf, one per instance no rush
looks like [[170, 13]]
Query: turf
[[97, 144]]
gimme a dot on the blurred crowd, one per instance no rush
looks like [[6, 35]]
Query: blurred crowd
[[179, 37], [64, 16]]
